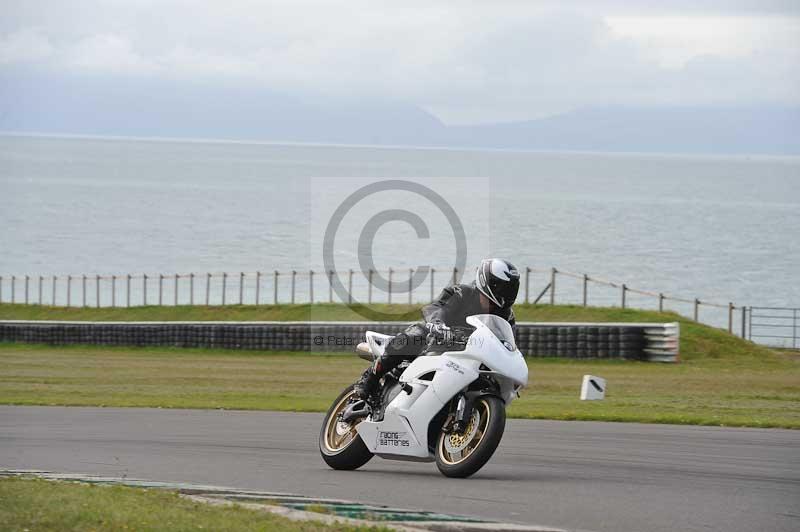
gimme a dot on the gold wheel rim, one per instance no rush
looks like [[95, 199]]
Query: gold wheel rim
[[338, 435], [469, 439]]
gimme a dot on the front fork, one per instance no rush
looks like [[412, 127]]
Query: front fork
[[460, 415], [461, 411]]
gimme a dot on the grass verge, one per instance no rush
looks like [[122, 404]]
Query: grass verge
[[741, 389], [42, 505]]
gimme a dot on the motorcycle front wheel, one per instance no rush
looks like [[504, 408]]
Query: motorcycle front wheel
[[339, 443], [461, 454]]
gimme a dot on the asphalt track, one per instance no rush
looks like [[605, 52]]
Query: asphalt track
[[576, 475]]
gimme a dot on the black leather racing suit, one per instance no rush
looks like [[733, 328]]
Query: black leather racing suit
[[454, 305]]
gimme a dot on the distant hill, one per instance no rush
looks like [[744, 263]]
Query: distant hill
[[46, 103], [774, 130]]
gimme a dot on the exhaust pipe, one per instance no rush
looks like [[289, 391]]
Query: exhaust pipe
[[363, 351]]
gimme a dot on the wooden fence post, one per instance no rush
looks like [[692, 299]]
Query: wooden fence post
[[191, 289], [553, 273], [660, 302], [241, 287], [410, 285], [175, 299], [275, 288], [27, 282], [160, 289], [258, 286], [53, 295], [41, 282], [350, 287], [527, 284], [585, 290], [744, 322], [208, 289], [97, 291], [696, 309], [113, 291], [624, 291], [224, 286], [83, 290], [730, 317], [294, 276], [144, 289], [311, 286], [128, 290], [390, 285]]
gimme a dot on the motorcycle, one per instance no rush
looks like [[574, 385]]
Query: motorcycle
[[448, 405]]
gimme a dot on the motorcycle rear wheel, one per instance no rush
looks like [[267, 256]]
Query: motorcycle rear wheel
[[339, 443], [461, 454]]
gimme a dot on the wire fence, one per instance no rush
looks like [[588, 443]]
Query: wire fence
[[776, 326], [539, 286]]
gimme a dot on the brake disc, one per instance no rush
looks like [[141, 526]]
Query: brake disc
[[457, 441], [342, 428]]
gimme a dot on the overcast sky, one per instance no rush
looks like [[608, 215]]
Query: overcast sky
[[465, 62]]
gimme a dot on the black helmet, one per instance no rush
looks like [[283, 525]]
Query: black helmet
[[498, 280]]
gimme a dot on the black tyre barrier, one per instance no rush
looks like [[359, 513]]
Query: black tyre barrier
[[638, 341]]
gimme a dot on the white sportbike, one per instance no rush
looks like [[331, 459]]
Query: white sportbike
[[448, 407]]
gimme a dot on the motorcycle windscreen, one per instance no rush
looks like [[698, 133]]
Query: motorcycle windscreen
[[499, 327]]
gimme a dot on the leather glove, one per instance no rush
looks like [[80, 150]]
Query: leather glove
[[442, 332]]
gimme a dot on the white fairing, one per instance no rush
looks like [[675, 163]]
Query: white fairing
[[435, 379], [378, 342]]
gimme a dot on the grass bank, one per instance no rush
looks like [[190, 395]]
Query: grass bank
[[737, 390], [41, 505], [698, 341]]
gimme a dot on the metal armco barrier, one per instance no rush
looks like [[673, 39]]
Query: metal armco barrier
[[656, 342]]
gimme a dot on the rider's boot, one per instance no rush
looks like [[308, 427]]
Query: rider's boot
[[365, 385]]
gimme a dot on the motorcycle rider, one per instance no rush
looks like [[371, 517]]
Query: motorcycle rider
[[493, 292]]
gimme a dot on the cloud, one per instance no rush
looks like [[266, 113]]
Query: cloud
[[107, 53], [465, 62], [24, 46]]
